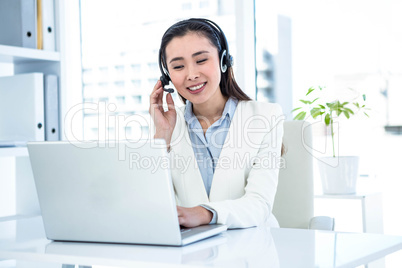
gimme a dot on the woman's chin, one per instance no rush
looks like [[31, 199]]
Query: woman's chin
[[197, 99]]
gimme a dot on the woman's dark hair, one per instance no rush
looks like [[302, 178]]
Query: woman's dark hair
[[228, 85]]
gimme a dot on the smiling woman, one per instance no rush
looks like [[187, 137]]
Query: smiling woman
[[196, 77], [194, 55], [115, 63]]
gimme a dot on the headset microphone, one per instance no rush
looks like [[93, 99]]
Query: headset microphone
[[165, 75], [169, 90]]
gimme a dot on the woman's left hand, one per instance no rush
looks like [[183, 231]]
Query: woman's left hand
[[193, 217]]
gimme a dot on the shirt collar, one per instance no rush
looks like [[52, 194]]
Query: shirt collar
[[228, 111]]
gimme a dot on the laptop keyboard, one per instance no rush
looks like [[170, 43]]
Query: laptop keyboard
[[184, 230]]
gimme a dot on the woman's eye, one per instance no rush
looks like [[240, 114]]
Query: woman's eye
[[201, 61], [178, 67]]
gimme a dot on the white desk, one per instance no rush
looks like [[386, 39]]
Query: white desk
[[23, 244]]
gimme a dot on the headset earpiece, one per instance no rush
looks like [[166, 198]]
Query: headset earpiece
[[164, 80], [226, 60], [224, 65]]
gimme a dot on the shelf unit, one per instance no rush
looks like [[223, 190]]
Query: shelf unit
[[24, 60], [13, 152], [21, 55], [17, 189]]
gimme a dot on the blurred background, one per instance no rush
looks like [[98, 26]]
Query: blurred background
[[280, 49]]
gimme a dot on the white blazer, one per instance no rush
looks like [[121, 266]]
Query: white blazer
[[246, 176]]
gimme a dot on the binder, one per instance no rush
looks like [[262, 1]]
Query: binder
[[22, 107], [45, 24], [18, 26], [51, 91], [39, 24]]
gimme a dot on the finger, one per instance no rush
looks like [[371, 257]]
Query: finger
[[181, 221], [156, 98], [181, 211], [160, 101], [170, 102], [157, 85], [156, 91], [155, 95]]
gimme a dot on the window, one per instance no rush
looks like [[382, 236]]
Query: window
[[273, 55], [340, 45], [136, 84], [120, 45], [121, 99], [137, 99], [153, 67], [186, 6], [136, 68], [119, 69]]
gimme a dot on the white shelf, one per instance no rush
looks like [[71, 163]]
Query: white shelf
[[13, 152], [17, 217], [11, 54], [346, 196]]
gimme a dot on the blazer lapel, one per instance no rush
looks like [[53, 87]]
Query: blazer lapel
[[232, 146]]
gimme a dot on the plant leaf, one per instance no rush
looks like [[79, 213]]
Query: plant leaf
[[316, 112], [321, 106], [300, 116], [295, 109], [327, 119], [314, 100], [364, 97], [366, 114], [346, 114], [349, 110], [305, 101], [311, 89]]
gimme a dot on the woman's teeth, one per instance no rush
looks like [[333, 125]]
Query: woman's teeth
[[196, 87]]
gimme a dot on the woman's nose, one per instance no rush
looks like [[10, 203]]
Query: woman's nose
[[192, 73]]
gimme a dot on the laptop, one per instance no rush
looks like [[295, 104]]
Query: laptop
[[111, 192]]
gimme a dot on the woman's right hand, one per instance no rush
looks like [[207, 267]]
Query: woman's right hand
[[164, 121]]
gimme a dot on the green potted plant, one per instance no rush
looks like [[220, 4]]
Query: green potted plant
[[338, 173]]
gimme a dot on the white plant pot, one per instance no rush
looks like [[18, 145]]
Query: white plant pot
[[339, 174]]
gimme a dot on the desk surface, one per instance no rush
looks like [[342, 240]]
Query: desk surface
[[24, 241]]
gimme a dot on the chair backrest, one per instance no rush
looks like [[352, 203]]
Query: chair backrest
[[294, 200]]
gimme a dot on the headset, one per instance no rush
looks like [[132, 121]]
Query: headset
[[226, 60]]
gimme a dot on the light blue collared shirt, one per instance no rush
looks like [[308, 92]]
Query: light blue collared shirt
[[208, 148]]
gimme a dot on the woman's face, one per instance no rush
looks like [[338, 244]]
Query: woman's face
[[194, 68]]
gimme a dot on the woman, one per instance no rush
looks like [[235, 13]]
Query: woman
[[224, 147]]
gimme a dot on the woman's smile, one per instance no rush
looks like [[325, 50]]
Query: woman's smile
[[197, 88], [194, 68]]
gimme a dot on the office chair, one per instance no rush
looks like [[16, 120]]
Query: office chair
[[294, 200]]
